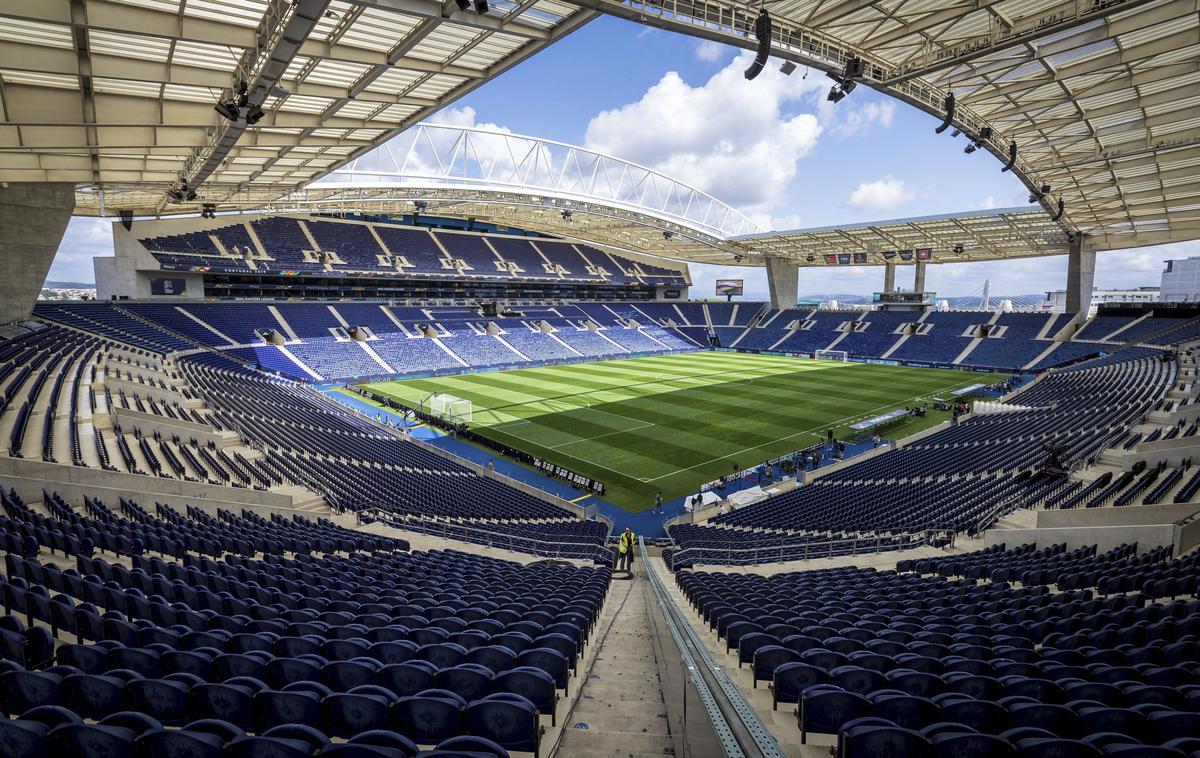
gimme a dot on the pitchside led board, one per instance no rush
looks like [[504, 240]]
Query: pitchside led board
[[734, 287]]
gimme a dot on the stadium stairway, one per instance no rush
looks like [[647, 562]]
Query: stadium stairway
[[621, 711]]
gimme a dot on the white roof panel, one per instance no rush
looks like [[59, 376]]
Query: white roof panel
[[359, 72]]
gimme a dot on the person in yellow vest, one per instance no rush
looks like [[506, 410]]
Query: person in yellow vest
[[625, 548]]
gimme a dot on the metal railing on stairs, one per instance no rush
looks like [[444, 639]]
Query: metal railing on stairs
[[728, 717]]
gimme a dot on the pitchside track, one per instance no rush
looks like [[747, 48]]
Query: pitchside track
[[673, 422]]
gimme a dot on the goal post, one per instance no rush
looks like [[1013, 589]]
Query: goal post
[[454, 409], [832, 355]]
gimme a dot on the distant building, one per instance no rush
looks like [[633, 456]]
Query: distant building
[[1181, 281], [1057, 300]]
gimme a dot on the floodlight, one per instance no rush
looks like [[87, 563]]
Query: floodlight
[[787, 68], [228, 109]]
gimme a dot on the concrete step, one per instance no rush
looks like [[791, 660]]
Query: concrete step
[[621, 702], [600, 741]]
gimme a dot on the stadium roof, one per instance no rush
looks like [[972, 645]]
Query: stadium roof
[[1102, 97], [119, 94], [949, 238], [531, 183]]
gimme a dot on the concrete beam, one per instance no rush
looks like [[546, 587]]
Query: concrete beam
[[33, 218], [919, 276], [783, 280], [889, 277], [1081, 276]]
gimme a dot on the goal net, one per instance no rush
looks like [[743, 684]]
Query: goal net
[[832, 355], [449, 407]]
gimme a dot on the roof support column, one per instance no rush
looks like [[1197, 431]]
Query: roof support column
[[1081, 275], [889, 277], [783, 281], [33, 218], [919, 276]]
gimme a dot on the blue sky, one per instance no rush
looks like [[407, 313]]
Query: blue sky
[[772, 147]]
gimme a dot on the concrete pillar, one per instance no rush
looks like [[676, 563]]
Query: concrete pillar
[[1081, 276], [33, 218], [783, 281], [889, 277], [919, 277]]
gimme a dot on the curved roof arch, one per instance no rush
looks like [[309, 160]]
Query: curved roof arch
[[532, 183]]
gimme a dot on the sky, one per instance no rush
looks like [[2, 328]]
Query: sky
[[773, 147]]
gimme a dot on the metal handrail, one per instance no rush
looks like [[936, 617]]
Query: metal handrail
[[858, 544], [487, 539], [757, 739], [997, 512]]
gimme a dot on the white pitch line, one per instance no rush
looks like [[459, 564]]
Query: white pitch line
[[797, 434], [646, 425]]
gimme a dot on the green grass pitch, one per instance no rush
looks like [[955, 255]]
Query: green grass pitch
[[673, 422]]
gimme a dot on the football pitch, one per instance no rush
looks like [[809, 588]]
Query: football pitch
[[670, 423]]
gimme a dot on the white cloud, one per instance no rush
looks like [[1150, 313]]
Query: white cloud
[[735, 139], [881, 194], [710, 51], [987, 204], [85, 238], [861, 120], [465, 116]]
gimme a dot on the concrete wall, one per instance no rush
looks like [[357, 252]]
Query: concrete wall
[[30, 477], [1104, 537], [783, 281], [1148, 525], [1187, 536], [148, 423], [128, 273], [148, 390], [33, 218], [1174, 452], [1134, 515], [1081, 276]]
